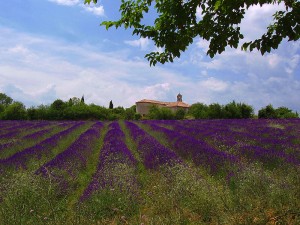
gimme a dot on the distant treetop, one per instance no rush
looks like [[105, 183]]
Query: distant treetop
[[111, 105]]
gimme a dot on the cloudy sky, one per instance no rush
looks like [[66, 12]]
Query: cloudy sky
[[55, 49]]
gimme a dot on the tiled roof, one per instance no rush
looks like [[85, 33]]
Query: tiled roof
[[178, 104], [166, 104]]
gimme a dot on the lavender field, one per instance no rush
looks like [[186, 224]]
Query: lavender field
[[150, 172]]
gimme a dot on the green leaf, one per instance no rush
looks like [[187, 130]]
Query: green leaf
[[89, 1], [107, 24], [217, 5], [245, 46]]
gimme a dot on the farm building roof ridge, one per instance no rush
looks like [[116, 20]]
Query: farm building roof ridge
[[166, 104]]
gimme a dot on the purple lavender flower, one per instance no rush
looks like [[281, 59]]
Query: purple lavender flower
[[152, 151], [74, 158], [20, 159], [235, 137], [114, 160], [197, 150]]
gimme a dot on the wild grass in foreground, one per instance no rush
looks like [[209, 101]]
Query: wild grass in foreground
[[171, 195]]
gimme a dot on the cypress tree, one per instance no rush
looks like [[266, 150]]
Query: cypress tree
[[111, 105]]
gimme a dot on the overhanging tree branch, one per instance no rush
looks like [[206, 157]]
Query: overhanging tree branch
[[177, 25]]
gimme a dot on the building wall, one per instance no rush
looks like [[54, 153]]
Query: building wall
[[143, 108], [173, 109]]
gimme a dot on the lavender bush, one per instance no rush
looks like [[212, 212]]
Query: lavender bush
[[19, 159], [73, 160], [198, 151], [154, 154], [116, 164]]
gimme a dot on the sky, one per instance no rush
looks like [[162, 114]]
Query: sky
[[56, 49]]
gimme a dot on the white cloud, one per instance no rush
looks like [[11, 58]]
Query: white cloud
[[66, 2], [158, 49], [157, 91], [18, 49], [293, 63], [199, 13], [143, 43], [204, 73], [213, 64], [203, 45], [96, 10], [273, 60], [62, 70], [214, 84], [257, 19], [249, 77], [38, 70], [280, 61]]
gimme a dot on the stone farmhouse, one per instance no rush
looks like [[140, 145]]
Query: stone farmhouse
[[143, 106]]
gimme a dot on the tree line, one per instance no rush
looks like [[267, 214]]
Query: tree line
[[235, 110], [231, 110], [73, 109], [76, 109]]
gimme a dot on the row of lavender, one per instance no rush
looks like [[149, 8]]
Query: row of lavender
[[16, 135], [114, 155], [268, 141], [117, 165], [42, 148], [152, 152], [197, 150], [220, 145], [67, 165], [16, 128]]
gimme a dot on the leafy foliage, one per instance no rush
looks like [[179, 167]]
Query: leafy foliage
[[269, 112], [199, 111], [179, 114], [5, 100], [176, 25], [15, 111], [156, 113], [231, 110]]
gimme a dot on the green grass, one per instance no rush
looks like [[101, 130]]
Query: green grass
[[171, 195]]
